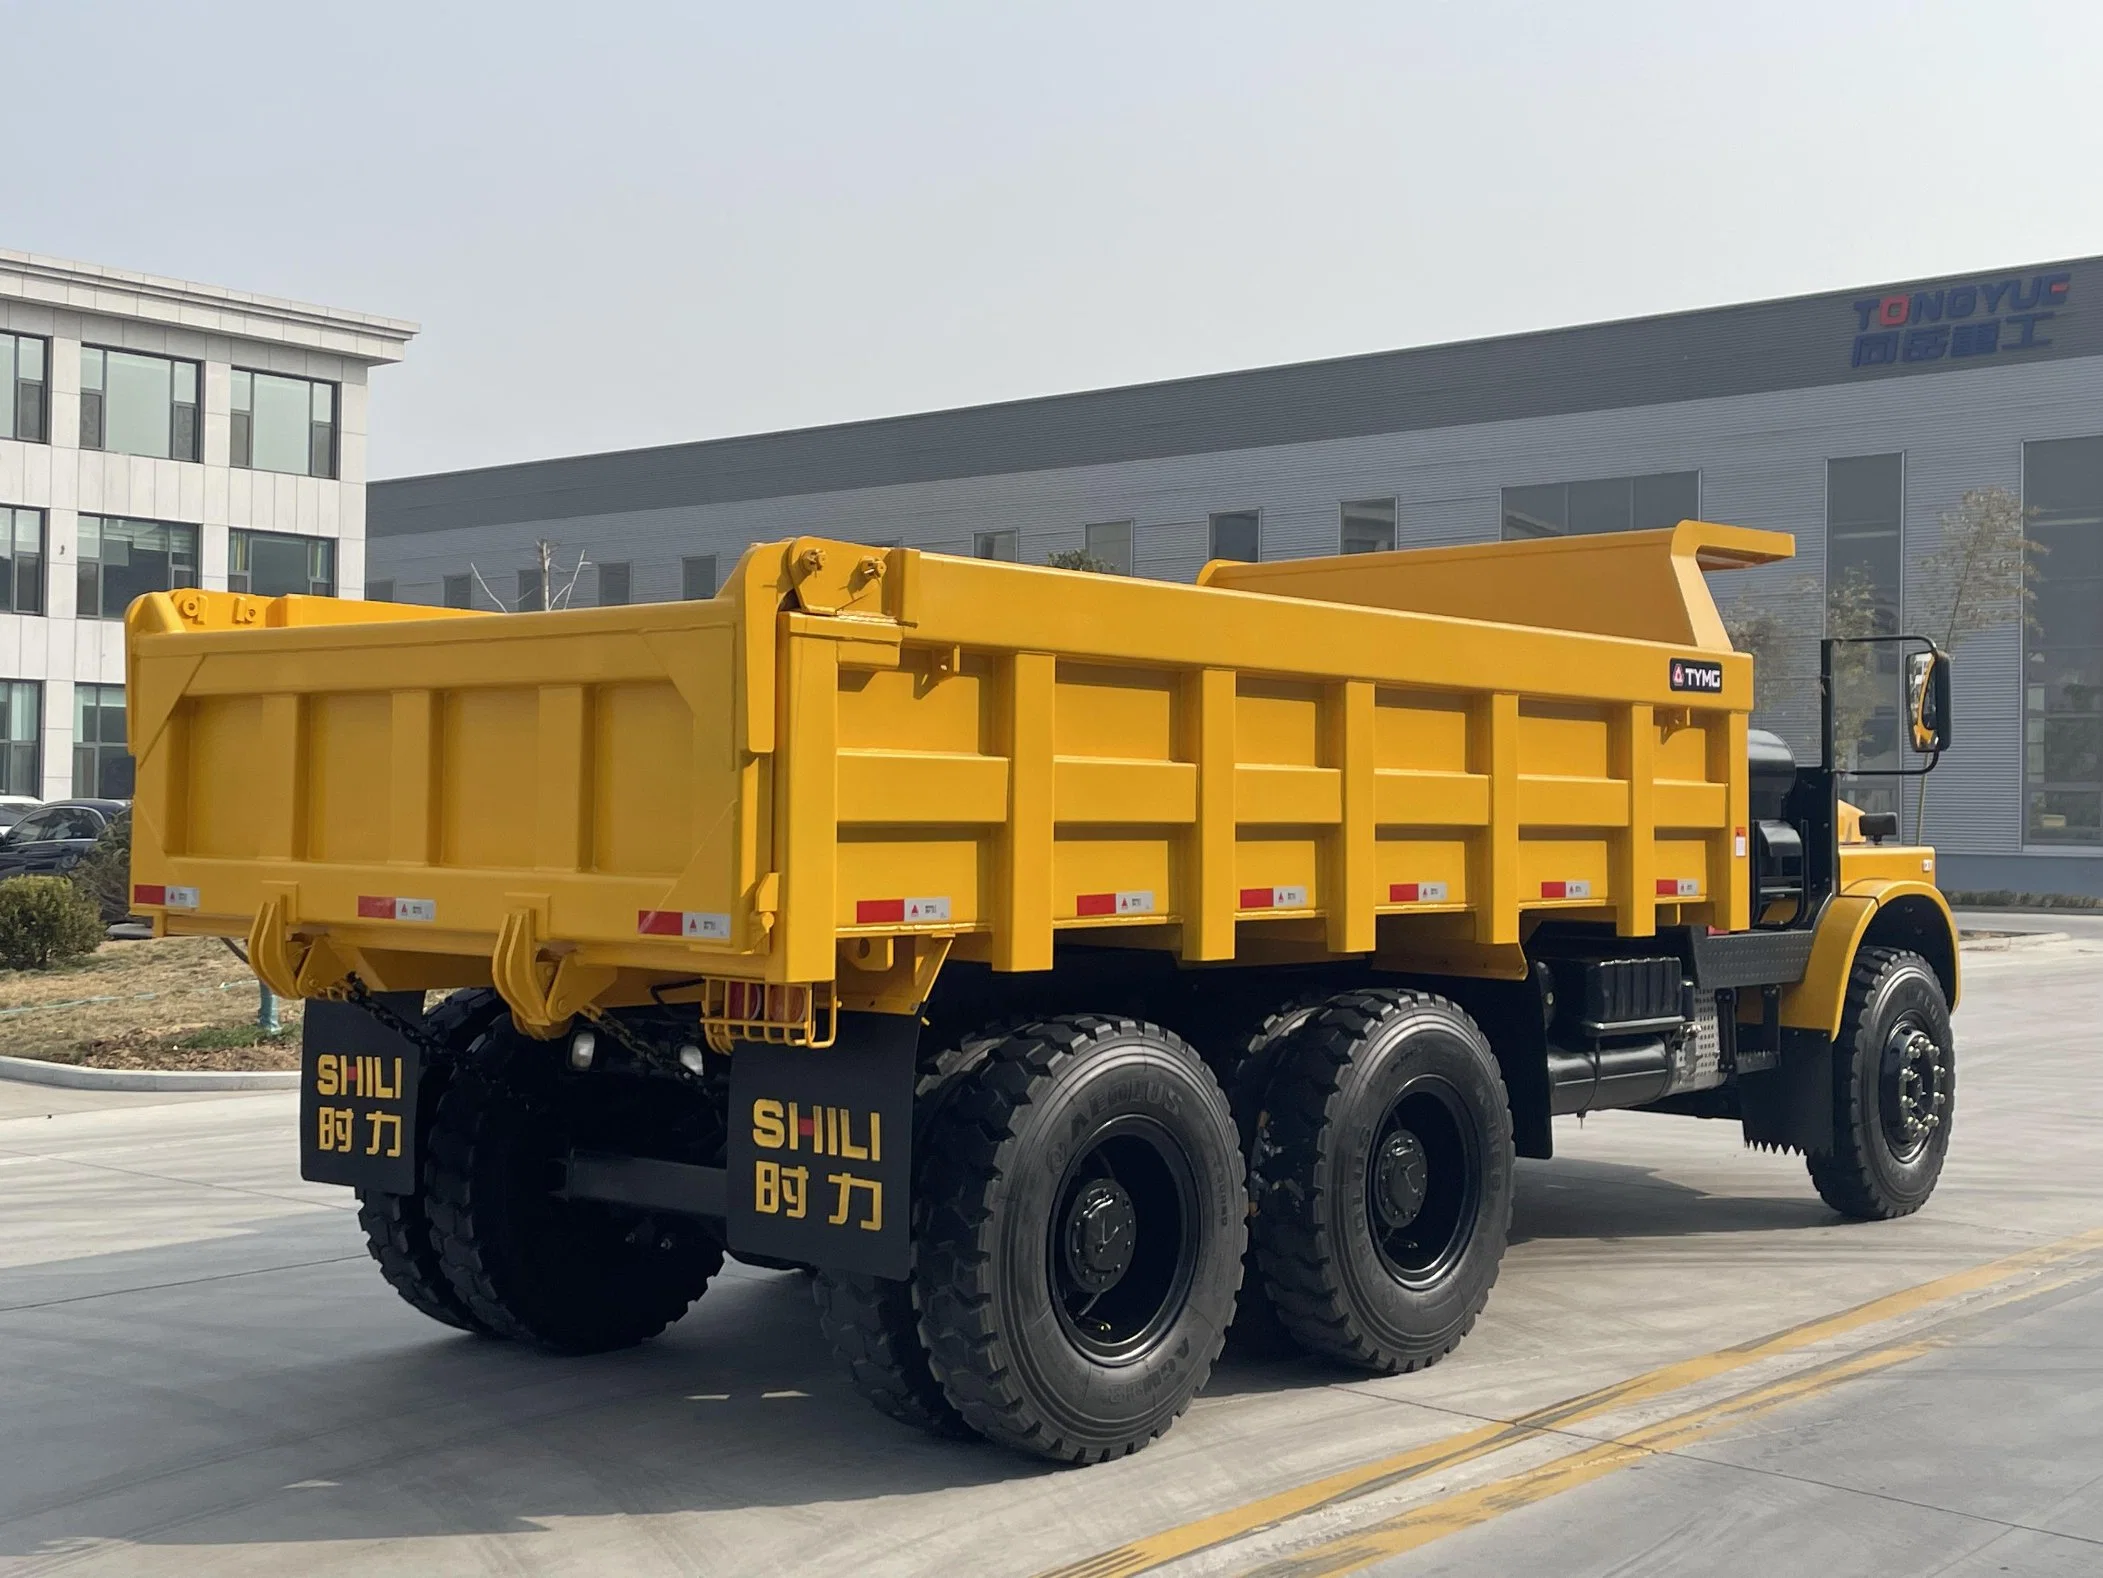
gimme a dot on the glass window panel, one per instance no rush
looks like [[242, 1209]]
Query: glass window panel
[[459, 591], [91, 368], [138, 406], [243, 396], [277, 565], [324, 402], [1606, 505], [186, 382], [697, 576], [2063, 643], [7, 385], [1110, 542], [1666, 499], [615, 582], [30, 364], [1005, 544], [1368, 526], [379, 591], [1538, 511], [279, 436], [1237, 534], [531, 595]]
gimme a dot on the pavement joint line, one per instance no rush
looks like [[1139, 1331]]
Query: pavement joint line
[[1430, 1521], [161, 1178], [163, 1287], [1156, 1550]]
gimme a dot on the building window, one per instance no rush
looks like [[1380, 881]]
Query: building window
[[2063, 648], [532, 593], [697, 576], [138, 405], [1865, 511], [1110, 543], [615, 582], [1237, 534], [21, 737], [459, 591], [1368, 526], [25, 388], [102, 767], [283, 424], [121, 560], [379, 591], [1573, 509], [21, 561], [270, 564], [1005, 544]]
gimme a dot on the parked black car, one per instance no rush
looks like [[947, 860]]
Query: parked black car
[[55, 838]]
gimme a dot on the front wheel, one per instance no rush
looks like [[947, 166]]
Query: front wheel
[[1079, 1236], [1383, 1179], [1894, 1089]]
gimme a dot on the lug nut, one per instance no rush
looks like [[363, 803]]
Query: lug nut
[[584, 1046]]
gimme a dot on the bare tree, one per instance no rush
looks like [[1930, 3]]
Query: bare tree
[[558, 587], [1978, 578]]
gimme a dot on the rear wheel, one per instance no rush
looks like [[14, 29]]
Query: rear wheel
[[1894, 1089], [1079, 1237], [397, 1230], [1384, 1179], [573, 1276]]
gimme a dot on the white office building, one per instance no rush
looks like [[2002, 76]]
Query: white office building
[[153, 434]]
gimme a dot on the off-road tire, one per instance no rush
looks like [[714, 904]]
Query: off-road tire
[[1337, 1081], [570, 1276], [1865, 1177], [1257, 1332], [397, 1230], [998, 1154], [872, 1323]]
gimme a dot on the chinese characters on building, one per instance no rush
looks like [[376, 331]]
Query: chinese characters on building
[[1958, 321]]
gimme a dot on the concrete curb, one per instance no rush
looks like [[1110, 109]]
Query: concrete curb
[[35, 1071]]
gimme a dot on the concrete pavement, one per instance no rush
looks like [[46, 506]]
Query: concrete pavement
[[204, 1373]]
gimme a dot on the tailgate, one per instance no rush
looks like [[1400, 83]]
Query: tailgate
[[415, 784]]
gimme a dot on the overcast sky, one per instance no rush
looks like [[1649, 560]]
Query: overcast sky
[[623, 225]]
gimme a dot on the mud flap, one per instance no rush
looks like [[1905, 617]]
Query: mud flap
[[820, 1155], [1790, 1106], [357, 1097]]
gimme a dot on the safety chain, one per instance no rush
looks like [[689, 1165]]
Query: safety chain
[[358, 993], [649, 1052]]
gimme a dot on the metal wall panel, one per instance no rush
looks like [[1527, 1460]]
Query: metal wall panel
[[1762, 458]]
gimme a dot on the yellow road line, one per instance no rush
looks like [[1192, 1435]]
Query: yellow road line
[[1420, 1526], [1154, 1550]]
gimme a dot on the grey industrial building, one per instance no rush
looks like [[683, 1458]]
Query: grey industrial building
[[1855, 420]]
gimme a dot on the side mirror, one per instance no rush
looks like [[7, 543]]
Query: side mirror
[[1928, 701]]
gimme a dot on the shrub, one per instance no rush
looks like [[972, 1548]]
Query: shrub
[[45, 921], [1079, 559], [104, 874]]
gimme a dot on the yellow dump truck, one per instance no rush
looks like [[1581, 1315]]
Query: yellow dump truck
[[1062, 967]]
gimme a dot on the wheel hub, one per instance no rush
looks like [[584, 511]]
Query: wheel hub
[[1101, 1233], [1921, 1097], [1400, 1179]]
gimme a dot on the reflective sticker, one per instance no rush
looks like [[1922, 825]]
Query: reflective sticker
[[707, 924], [1579, 889], [1292, 898], [1678, 888], [892, 912], [1416, 893], [167, 897], [1134, 902], [1738, 842], [375, 907]]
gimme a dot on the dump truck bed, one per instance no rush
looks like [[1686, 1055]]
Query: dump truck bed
[[850, 746]]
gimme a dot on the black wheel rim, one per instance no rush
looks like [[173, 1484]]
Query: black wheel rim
[[1122, 1240], [1912, 1089], [1424, 1183]]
